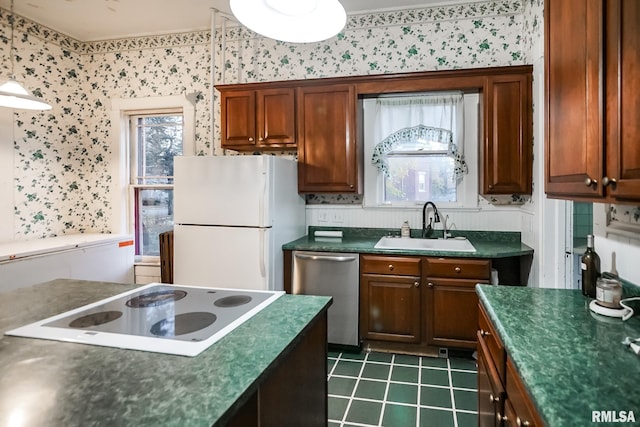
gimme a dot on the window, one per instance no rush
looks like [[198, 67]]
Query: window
[[415, 149], [148, 133], [155, 139]]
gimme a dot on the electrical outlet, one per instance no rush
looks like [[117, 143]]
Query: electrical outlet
[[337, 218], [323, 217]]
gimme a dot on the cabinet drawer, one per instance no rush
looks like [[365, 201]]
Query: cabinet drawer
[[494, 346], [459, 268], [399, 266]]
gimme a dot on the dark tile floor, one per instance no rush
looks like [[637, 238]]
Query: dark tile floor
[[390, 390]]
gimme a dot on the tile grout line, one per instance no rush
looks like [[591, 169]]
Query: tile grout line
[[386, 390], [355, 387], [419, 391], [453, 398]]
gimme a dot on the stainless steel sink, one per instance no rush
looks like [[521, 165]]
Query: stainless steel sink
[[457, 244]]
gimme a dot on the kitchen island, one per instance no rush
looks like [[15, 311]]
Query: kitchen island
[[570, 361], [271, 367]]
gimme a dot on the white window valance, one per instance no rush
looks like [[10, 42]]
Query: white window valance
[[420, 124]]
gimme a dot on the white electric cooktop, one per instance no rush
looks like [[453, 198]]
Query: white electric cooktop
[[171, 319]]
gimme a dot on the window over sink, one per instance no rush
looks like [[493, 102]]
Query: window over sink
[[417, 148]]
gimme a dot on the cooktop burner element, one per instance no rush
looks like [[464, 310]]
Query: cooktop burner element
[[153, 299], [173, 319], [183, 324], [95, 319], [232, 301]]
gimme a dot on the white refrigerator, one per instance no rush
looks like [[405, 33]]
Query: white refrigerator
[[232, 214]]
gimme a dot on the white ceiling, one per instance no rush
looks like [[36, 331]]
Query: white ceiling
[[90, 20]]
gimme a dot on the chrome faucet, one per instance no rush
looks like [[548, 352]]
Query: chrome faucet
[[427, 230], [445, 230]]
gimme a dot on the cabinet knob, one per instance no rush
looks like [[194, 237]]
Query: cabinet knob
[[430, 285], [521, 423], [390, 267], [493, 398], [457, 269], [416, 284], [501, 418], [261, 139], [606, 181], [490, 186], [484, 333], [250, 139], [589, 182]]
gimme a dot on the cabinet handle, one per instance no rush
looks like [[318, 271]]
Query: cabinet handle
[[589, 182], [493, 398], [609, 181], [501, 418], [250, 139], [484, 333], [390, 267], [416, 284], [430, 285], [521, 423], [457, 269]]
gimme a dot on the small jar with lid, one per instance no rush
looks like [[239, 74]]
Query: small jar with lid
[[608, 292], [405, 230]]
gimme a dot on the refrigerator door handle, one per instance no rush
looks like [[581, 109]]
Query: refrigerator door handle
[[261, 202], [263, 268]]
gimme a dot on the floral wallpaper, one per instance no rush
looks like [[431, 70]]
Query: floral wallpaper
[[64, 159]]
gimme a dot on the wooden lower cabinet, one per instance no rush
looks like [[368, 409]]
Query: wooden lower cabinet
[[294, 392], [502, 397], [451, 300], [416, 304], [390, 299], [491, 393]]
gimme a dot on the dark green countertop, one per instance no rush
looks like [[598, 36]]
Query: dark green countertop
[[488, 244], [51, 383], [571, 360]]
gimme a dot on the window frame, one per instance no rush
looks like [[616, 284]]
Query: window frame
[[122, 109], [135, 176], [467, 188]]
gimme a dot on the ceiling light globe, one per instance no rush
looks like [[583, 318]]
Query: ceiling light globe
[[292, 7], [324, 21]]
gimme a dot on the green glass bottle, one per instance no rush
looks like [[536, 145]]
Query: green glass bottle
[[590, 265]]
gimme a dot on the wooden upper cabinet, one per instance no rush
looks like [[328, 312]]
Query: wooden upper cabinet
[[591, 132], [327, 148], [622, 106], [507, 147], [258, 119]]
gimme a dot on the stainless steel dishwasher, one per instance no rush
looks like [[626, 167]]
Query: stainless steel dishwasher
[[336, 275]]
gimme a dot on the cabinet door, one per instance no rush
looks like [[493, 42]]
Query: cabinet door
[[491, 393], [276, 117], [327, 150], [623, 108], [522, 410], [390, 308], [507, 153], [451, 312], [238, 119], [574, 145]]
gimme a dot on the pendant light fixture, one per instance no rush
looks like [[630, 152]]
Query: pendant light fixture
[[12, 94], [295, 21]]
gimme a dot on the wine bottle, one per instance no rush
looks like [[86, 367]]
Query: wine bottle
[[590, 265]]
